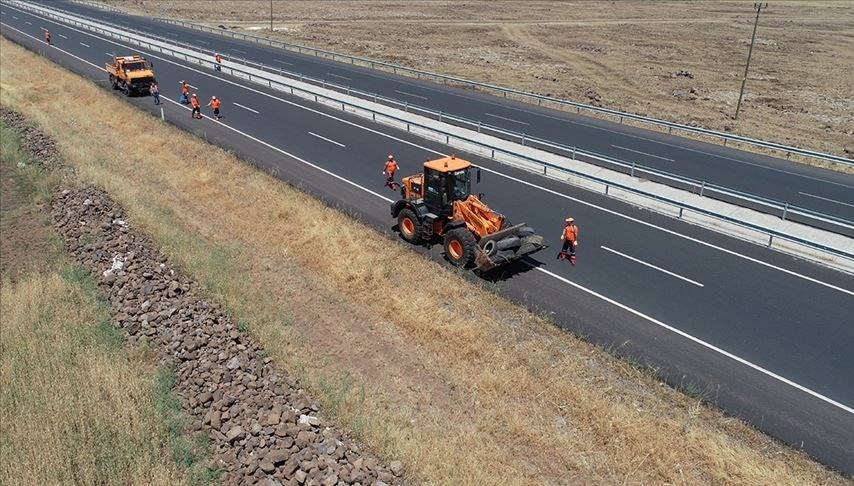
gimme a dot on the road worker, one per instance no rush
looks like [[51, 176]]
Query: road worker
[[214, 103], [390, 168], [197, 108], [47, 37], [218, 63], [570, 240], [185, 92], [155, 92]]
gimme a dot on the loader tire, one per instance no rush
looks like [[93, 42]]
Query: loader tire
[[410, 228], [113, 82], [460, 247]]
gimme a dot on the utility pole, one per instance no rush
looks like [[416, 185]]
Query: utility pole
[[271, 16], [758, 7]]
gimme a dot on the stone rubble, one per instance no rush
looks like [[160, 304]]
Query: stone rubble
[[264, 428]]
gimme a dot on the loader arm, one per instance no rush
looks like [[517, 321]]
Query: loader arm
[[479, 218]]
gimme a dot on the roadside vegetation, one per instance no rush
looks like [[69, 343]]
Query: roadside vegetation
[[451, 379], [75, 406]]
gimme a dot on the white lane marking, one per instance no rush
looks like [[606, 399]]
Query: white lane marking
[[203, 42], [643, 153], [551, 274], [700, 342], [412, 95], [84, 45], [111, 54], [339, 76], [238, 50], [328, 140], [16, 18], [191, 86], [245, 107], [28, 22], [827, 199], [505, 118], [698, 284], [283, 62], [530, 184], [42, 28], [62, 36]]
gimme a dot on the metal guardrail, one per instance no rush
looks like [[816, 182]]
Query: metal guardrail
[[782, 209], [540, 99], [608, 185]]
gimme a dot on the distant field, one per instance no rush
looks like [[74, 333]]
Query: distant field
[[681, 61]]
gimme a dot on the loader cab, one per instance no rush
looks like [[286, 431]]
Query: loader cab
[[446, 180]]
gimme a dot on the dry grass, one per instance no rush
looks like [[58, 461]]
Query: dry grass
[[465, 389], [800, 90]]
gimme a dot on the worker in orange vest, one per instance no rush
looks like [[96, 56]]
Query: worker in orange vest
[[570, 240], [214, 103], [390, 168], [218, 64], [185, 92], [47, 36], [197, 108]]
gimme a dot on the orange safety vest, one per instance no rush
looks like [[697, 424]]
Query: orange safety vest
[[570, 232], [185, 89], [195, 102], [390, 167], [215, 104], [46, 35]]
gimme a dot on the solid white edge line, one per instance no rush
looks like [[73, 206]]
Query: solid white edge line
[[238, 50], [551, 274], [427, 149], [508, 119], [701, 342], [327, 139], [245, 107], [698, 284], [642, 153], [827, 199]]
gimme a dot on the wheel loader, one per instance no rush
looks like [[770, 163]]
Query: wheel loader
[[131, 74], [438, 203]]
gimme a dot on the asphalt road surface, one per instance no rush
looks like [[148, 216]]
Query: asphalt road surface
[[809, 187], [765, 336]]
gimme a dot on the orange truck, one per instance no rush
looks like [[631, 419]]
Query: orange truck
[[131, 74]]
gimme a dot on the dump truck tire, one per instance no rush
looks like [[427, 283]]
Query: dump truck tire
[[410, 228], [508, 243], [525, 231], [489, 248], [526, 249], [113, 82], [460, 246]]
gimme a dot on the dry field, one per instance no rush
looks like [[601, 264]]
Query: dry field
[[464, 389], [680, 61], [75, 408]]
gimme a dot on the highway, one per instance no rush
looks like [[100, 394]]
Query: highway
[[767, 337], [805, 186]]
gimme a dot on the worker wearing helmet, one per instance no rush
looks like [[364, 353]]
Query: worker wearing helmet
[[570, 240], [218, 63], [214, 103], [197, 108], [390, 168]]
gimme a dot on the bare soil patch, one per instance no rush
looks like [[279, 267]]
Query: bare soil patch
[[680, 61]]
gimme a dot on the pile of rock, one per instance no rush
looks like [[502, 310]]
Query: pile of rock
[[263, 426], [33, 141]]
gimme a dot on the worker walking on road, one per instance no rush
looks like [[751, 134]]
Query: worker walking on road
[[185, 93], [197, 107], [47, 36], [390, 168], [214, 103], [570, 240], [218, 63], [155, 92]]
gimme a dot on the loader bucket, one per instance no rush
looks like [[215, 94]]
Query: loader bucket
[[506, 246]]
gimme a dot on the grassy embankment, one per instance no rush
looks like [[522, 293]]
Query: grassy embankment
[[75, 406], [421, 364]]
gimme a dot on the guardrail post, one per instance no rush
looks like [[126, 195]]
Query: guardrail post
[[606, 189], [785, 210], [348, 90], [632, 171], [573, 153], [406, 106], [523, 139], [493, 153], [680, 212], [544, 169], [702, 188], [478, 126], [788, 154], [770, 240], [407, 127], [621, 120]]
